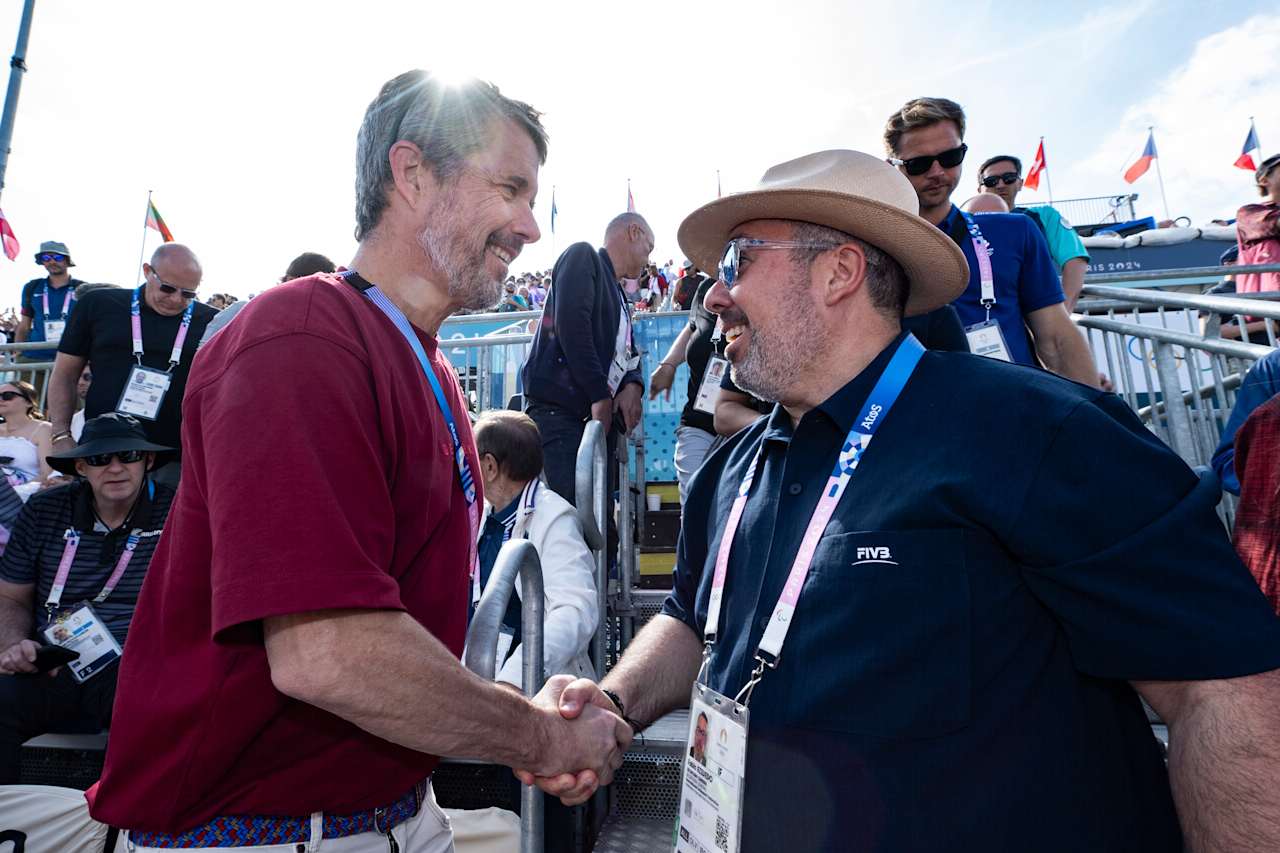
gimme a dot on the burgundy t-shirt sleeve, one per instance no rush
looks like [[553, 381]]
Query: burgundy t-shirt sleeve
[[294, 473]]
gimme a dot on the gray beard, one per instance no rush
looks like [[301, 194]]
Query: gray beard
[[470, 284], [776, 360]]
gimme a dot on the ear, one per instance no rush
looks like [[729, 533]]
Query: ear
[[843, 270], [81, 467], [488, 466], [411, 175]]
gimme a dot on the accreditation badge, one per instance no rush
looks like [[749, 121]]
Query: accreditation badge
[[53, 330], [986, 339], [144, 392], [709, 390], [80, 629], [713, 782]]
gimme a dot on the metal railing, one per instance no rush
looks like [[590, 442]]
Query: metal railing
[[591, 488], [517, 558], [34, 372], [1096, 209], [488, 367]]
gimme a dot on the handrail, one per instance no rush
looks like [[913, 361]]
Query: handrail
[[1217, 346], [517, 557], [486, 341], [26, 345], [591, 488], [1199, 301], [626, 535], [1106, 303], [1187, 272]]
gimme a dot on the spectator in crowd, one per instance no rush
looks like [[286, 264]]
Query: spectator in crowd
[[307, 264], [1228, 325], [46, 305], [1258, 231], [985, 203], [537, 292], [82, 393], [511, 300], [310, 595], [518, 506], [1002, 176], [582, 364], [1019, 315], [217, 302], [139, 345], [967, 545], [1257, 526], [1260, 384], [26, 438], [104, 527], [687, 287]]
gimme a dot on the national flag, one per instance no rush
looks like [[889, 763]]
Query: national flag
[[10, 242], [553, 210], [1246, 160], [1138, 169], [156, 221], [631, 202], [1037, 166]]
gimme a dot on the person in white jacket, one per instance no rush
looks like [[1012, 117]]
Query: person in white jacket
[[518, 506]]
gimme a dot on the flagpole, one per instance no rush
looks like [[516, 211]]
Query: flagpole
[[143, 248], [1159, 177], [1254, 129], [718, 194], [553, 220], [1048, 182]]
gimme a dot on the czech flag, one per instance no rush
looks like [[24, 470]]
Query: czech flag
[[156, 221], [1037, 166], [1138, 169], [1246, 160], [10, 241]]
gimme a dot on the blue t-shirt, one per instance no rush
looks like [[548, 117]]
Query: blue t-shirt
[[1259, 385], [60, 304], [972, 692], [1024, 274]]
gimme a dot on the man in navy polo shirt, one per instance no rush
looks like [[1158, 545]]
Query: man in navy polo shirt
[[925, 140], [46, 303], [970, 605]]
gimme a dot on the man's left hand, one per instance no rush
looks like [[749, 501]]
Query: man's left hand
[[628, 403]]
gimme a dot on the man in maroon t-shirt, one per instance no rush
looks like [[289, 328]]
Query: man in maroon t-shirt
[[292, 667]]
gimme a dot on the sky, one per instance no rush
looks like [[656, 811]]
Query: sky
[[241, 117]]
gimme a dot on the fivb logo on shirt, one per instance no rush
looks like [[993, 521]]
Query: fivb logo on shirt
[[873, 554]]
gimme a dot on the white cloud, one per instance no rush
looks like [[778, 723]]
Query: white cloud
[[1201, 114]]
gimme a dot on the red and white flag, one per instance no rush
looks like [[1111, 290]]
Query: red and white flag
[[11, 247], [1037, 167], [1251, 155], [631, 202]]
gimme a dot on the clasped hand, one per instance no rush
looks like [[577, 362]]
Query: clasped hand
[[586, 742]]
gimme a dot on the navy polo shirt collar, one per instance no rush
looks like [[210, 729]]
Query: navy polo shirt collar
[[842, 407]]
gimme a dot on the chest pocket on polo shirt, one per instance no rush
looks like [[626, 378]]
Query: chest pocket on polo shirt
[[881, 643]]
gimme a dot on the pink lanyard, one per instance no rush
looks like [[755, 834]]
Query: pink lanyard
[[879, 402], [67, 302], [68, 557], [135, 325], [981, 249]]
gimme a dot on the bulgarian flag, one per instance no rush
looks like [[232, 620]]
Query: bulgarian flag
[[1138, 169], [1247, 160], [156, 221], [10, 241]]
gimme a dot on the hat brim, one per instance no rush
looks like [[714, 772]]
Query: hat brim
[[936, 268], [65, 462]]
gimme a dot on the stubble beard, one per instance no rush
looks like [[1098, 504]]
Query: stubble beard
[[463, 265], [778, 359]]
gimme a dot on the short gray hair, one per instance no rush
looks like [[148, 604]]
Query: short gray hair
[[622, 222], [886, 280], [446, 122]]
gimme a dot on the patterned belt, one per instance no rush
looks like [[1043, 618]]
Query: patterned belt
[[257, 830]]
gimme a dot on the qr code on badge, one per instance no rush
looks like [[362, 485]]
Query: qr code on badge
[[722, 834]]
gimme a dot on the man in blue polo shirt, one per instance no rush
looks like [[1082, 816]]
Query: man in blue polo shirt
[[1020, 316], [942, 639], [46, 303]]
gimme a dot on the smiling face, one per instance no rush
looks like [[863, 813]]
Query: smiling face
[[771, 315], [483, 217], [934, 187]]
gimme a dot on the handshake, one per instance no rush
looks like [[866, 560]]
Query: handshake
[[581, 740]]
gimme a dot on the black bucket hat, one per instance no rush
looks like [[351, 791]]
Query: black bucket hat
[[109, 433]]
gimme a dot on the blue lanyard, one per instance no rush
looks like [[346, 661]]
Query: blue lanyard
[[401, 322]]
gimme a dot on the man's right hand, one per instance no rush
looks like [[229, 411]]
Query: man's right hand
[[661, 379], [576, 698], [583, 748], [602, 411], [20, 657]]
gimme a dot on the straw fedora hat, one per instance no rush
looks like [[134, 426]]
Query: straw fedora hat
[[852, 192]]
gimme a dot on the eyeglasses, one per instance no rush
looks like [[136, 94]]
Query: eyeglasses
[[45, 257], [919, 165], [733, 253], [170, 289], [8, 396], [1007, 178], [127, 457]]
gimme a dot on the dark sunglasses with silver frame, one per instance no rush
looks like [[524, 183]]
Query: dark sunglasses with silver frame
[[733, 253], [948, 159], [166, 287]]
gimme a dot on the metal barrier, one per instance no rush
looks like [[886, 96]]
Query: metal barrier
[[35, 372], [517, 558], [591, 487], [488, 367], [627, 552], [1097, 209]]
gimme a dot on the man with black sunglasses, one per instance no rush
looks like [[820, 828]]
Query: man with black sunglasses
[[46, 304], [1001, 175], [139, 344], [1013, 308], [103, 528]]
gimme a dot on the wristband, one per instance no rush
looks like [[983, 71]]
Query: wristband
[[66, 433], [622, 711], [667, 364]]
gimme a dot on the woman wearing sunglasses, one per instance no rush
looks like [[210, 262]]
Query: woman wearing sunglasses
[[26, 437]]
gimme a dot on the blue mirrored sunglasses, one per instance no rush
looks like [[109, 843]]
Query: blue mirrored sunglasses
[[733, 253]]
